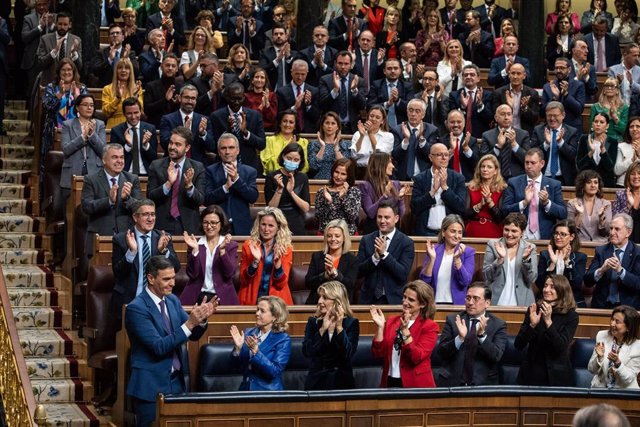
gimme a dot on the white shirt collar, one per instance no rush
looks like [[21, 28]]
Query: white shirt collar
[[390, 235], [154, 298]]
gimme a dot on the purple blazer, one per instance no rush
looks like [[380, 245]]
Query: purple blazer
[[223, 268], [370, 203], [460, 279]]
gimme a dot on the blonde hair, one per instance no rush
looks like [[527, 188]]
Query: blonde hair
[[336, 291], [385, 25], [279, 311], [207, 44], [497, 184], [617, 101], [446, 58], [283, 236], [131, 82], [342, 225]]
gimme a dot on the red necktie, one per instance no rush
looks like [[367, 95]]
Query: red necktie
[[350, 21], [301, 109], [175, 192], [456, 157], [467, 125]]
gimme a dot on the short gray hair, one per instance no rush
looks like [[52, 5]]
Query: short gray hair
[[626, 219], [109, 147], [419, 101], [188, 86], [228, 135], [300, 63], [554, 105]]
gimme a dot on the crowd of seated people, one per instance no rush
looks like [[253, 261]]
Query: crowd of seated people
[[390, 95]]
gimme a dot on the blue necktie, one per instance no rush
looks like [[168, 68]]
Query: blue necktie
[[411, 154], [146, 256], [554, 154], [614, 294]]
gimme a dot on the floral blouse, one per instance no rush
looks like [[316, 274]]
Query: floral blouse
[[346, 207]]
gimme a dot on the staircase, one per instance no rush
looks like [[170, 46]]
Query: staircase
[[40, 298]]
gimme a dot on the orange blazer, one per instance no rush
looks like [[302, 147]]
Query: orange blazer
[[249, 285]]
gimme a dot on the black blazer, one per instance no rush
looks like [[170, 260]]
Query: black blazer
[[189, 206], [612, 53], [467, 164], [313, 78], [567, 153], [355, 103], [204, 104], [337, 30], [480, 121], [103, 71], [256, 42], [267, 55], [430, 134], [330, 367], [375, 71], [455, 29], [487, 356], [178, 38], [528, 119], [547, 361], [148, 156], [311, 112], [155, 101], [439, 112], [490, 140], [347, 275], [498, 15], [379, 94], [607, 159], [478, 53], [574, 272]]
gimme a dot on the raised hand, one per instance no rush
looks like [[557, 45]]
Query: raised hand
[[482, 324], [172, 173], [113, 193], [600, 350], [380, 246], [132, 243], [377, 316], [527, 252], [553, 255], [500, 250], [256, 250], [163, 241], [188, 178], [462, 327], [190, 240], [237, 336], [431, 250], [291, 183], [126, 190], [534, 315]]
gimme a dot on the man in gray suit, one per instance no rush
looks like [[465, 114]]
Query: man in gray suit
[[176, 185], [628, 72], [55, 46], [34, 26], [108, 196], [472, 342]]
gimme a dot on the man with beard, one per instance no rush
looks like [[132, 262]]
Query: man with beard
[[392, 93], [436, 113], [523, 100], [246, 30], [473, 101], [161, 96], [176, 185], [137, 137], [106, 59], [452, 19], [34, 26], [55, 46], [245, 123], [209, 84], [197, 123], [277, 59], [477, 44], [569, 92], [344, 30]]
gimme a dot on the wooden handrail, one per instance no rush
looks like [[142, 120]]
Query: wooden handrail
[[15, 385]]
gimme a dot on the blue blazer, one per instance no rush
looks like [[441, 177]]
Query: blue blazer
[[264, 370], [148, 156], [573, 102], [591, 86], [421, 201], [152, 347], [235, 203], [379, 94], [149, 66], [199, 145], [514, 193], [248, 148], [393, 271], [495, 78], [629, 287]]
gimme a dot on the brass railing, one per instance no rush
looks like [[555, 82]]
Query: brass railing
[[15, 387]]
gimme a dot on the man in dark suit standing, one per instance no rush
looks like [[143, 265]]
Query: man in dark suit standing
[[343, 93], [431, 94], [499, 72], [232, 185], [472, 342], [392, 93], [473, 101], [151, 59], [109, 11], [55, 46], [198, 124], [507, 143], [209, 84], [615, 269], [106, 59], [176, 185], [412, 141], [277, 59], [582, 70], [491, 16], [477, 44], [170, 23], [559, 143], [523, 100], [344, 30], [300, 97], [137, 137], [246, 30], [385, 257], [463, 148], [452, 19], [158, 328], [245, 124], [569, 92], [109, 197], [319, 55], [162, 96], [604, 50], [536, 196], [368, 58], [437, 192], [132, 249], [35, 25]]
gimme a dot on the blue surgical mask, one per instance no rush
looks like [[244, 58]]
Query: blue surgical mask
[[291, 166]]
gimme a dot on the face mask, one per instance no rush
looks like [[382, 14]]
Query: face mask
[[291, 166]]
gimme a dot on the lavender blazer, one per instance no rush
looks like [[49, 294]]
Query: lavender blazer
[[224, 268], [460, 279], [370, 203]]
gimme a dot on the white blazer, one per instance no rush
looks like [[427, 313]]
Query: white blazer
[[626, 374]]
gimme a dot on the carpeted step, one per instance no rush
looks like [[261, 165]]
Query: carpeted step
[[24, 256], [16, 137], [37, 297], [16, 206], [41, 318], [17, 125], [16, 151], [71, 415], [52, 390], [9, 163], [46, 343], [20, 241], [52, 367], [27, 276], [16, 114], [14, 176], [15, 104], [16, 223], [14, 191]]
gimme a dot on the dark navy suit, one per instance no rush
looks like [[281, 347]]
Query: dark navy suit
[[400, 156], [248, 147], [480, 121], [200, 144], [573, 102], [148, 155], [612, 52], [379, 94], [311, 112], [313, 78], [567, 154], [498, 64], [178, 38]]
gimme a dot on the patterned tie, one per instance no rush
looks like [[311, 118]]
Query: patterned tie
[[236, 124], [533, 209], [350, 21], [175, 192], [614, 292], [470, 346], [411, 153], [554, 153], [113, 182], [187, 122], [505, 159], [365, 71], [135, 151], [63, 50], [301, 109], [467, 125], [146, 256], [166, 320], [391, 112]]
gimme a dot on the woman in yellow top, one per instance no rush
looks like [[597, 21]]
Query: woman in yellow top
[[123, 86], [287, 130]]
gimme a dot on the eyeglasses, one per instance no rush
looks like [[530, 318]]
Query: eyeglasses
[[473, 298], [210, 223], [560, 234], [442, 155], [84, 104], [611, 86], [147, 214]]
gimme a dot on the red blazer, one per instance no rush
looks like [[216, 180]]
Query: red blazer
[[415, 358], [249, 285]]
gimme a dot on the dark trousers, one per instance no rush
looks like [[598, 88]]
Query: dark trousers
[[146, 411]]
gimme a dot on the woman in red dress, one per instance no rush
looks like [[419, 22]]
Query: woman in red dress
[[483, 199], [258, 97]]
